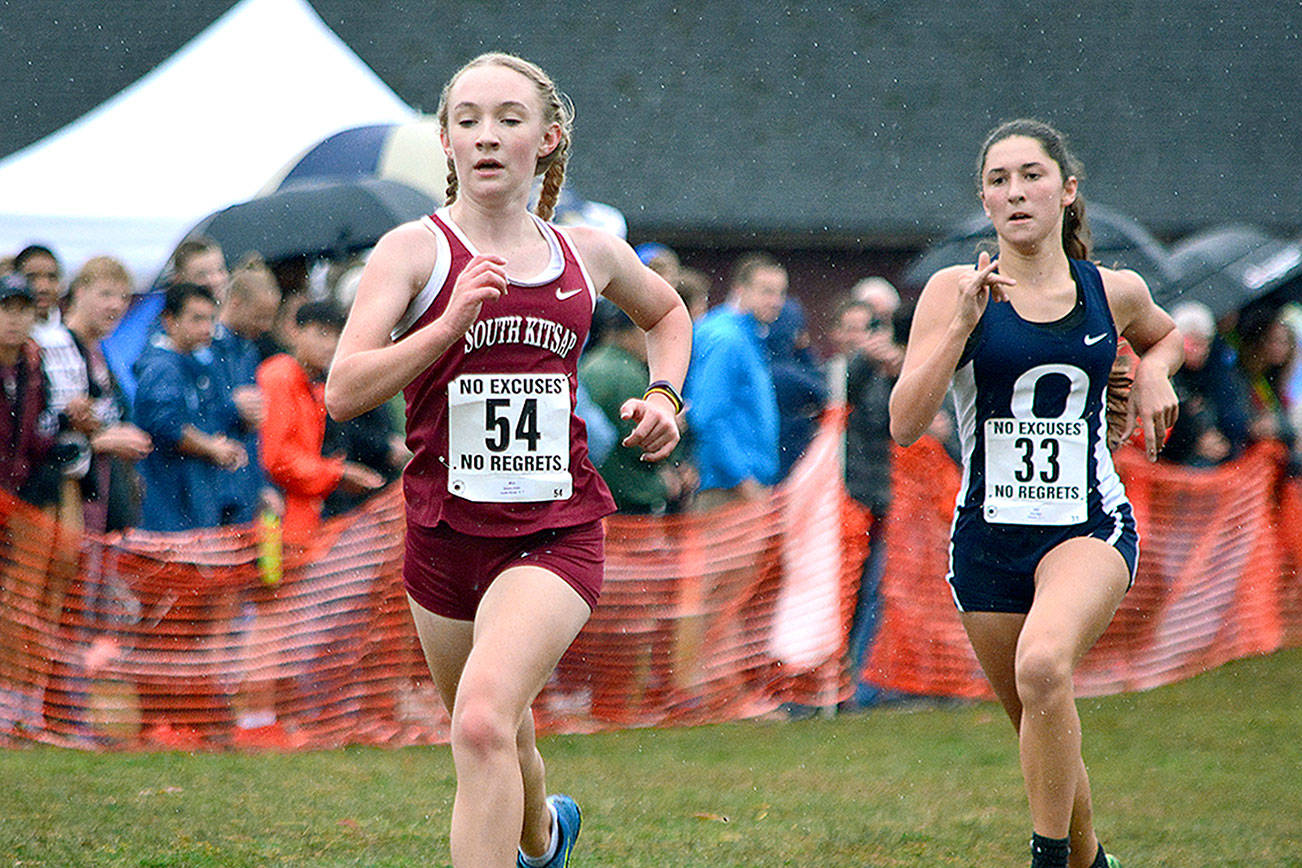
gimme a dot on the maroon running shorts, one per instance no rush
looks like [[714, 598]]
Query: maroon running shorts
[[447, 572]]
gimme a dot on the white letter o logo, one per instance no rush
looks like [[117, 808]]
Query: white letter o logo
[[1024, 391]]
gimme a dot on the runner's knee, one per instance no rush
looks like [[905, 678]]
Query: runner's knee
[[1043, 673], [482, 729]]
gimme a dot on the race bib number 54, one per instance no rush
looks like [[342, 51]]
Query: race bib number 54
[[509, 437]]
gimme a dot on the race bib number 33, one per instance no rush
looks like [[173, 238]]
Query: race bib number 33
[[1036, 471], [509, 437]]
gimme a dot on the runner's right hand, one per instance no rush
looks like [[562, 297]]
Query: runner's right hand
[[979, 287], [483, 279]]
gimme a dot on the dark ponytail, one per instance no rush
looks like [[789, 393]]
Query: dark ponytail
[[1076, 230]]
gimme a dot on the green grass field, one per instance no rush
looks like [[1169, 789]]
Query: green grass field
[[1203, 773]]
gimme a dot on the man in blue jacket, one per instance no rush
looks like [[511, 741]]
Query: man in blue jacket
[[243, 318], [732, 406], [186, 409]]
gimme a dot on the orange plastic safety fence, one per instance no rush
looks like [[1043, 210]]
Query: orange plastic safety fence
[[153, 640], [174, 640], [1217, 576]]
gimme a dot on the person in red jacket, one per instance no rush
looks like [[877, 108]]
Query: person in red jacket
[[294, 428]]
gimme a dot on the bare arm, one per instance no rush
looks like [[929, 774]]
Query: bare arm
[[1152, 405], [368, 367], [948, 310], [218, 449], [657, 309]]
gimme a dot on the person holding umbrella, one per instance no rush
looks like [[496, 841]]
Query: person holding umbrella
[[478, 314]]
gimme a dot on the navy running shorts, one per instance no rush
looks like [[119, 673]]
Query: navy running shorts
[[992, 567]]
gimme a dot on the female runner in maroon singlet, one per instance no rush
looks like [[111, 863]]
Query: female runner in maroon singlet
[[478, 314]]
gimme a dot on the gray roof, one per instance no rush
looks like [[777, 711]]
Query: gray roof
[[823, 123]]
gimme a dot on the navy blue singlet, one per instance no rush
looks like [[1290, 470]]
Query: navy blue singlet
[[1030, 400]]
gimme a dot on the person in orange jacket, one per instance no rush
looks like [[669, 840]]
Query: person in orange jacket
[[292, 433]]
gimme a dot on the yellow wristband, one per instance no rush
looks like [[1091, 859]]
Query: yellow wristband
[[666, 389]]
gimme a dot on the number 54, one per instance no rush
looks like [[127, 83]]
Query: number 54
[[498, 427]]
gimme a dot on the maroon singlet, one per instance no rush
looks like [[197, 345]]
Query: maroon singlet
[[497, 448]]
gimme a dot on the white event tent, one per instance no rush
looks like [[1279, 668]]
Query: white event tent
[[203, 130]]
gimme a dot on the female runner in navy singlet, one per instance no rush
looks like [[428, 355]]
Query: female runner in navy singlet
[[478, 313], [1044, 545]]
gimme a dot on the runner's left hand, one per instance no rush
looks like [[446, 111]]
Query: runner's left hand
[[1152, 407], [655, 428]]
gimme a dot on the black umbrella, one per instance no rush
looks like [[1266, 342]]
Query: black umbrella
[[1118, 242], [1229, 266], [316, 218]]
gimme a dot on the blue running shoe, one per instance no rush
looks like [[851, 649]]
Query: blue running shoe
[[568, 820]]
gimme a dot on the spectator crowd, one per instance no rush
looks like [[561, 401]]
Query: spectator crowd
[[198, 403], [167, 425]]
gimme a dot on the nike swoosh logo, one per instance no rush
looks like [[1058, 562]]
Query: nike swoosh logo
[[1091, 340], [561, 296]]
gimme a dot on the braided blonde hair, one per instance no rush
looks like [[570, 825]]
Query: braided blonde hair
[[557, 109]]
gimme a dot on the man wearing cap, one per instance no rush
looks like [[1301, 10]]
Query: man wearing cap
[[27, 426], [39, 267]]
